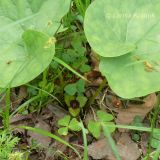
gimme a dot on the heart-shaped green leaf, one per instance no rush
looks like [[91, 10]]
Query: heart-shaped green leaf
[[82, 100], [94, 128], [64, 121], [25, 60], [126, 35], [104, 117], [27, 47], [130, 77], [63, 131], [74, 125]]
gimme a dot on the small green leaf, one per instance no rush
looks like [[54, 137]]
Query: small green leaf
[[74, 112], [80, 86], [64, 121], [111, 129], [85, 68], [136, 137], [105, 117], [82, 100], [155, 141], [68, 99], [94, 128], [71, 89], [74, 125], [63, 131]]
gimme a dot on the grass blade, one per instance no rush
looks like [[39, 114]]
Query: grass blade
[[111, 142], [84, 141], [48, 134], [69, 68]]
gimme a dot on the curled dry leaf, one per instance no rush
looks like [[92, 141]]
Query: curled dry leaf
[[126, 116], [127, 149]]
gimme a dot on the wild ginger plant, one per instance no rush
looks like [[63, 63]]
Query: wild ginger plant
[[126, 37]]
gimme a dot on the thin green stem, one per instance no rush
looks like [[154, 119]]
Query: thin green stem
[[48, 134], [7, 109], [69, 68], [25, 104], [84, 141], [111, 142], [153, 124]]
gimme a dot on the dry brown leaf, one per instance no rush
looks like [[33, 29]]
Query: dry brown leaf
[[42, 140], [127, 149], [126, 116], [19, 117], [99, 149]]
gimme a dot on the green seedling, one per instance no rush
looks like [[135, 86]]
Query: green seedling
[[75, 104], [127, 42], [137, 122], [95, 127], [74, 97], [75, 55], [155, 140], [67, 123], [78, 87], [7, 145], [82, 5]]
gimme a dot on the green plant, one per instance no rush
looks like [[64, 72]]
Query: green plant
[[82, 5], [16, 156], [155, 140], [28, 44], [104, 119], [67, 124], [7, 144], [72, 124], [136, 122], [127, 42], [74, 97]]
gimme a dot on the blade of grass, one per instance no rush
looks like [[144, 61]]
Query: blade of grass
[[144, 129], [111, 142], [48, 134], [69, 68], [6, 118], [84, 141], [25, 104], [80, 7], [153, 123], [44, 92], [157, 153]]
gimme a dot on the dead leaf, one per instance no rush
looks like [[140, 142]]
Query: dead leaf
[[127, 149], [42, 140], [94, 61], [94, 77], [19, 117], [99, 149], [126, 116]]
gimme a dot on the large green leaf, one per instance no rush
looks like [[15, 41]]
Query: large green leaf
[[130, 77], [131, 71], [27, 47], [114, 28]]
